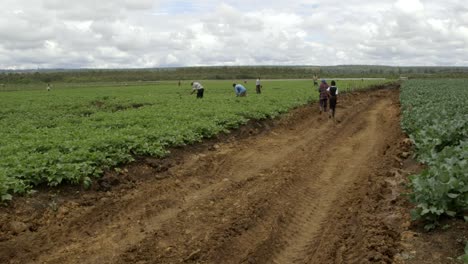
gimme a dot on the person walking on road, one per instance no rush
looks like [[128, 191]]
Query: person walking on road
[[323, 96], [332, 95], [258, 86], [196, 86], [239, 89]]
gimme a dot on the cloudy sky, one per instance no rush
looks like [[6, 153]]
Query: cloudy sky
[[154, 33]]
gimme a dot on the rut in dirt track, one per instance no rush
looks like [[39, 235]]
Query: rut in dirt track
[[297, 194]]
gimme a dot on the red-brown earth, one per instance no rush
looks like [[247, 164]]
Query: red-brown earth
[[300, 189]]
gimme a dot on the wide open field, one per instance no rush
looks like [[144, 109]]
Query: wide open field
[[302, 189], [73, 133]]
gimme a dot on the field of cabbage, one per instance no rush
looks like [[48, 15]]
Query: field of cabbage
[[73, 134], [435, 116]]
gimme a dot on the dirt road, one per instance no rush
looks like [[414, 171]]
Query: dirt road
[[306, 190]]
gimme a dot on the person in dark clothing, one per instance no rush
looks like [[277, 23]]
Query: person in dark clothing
[[323, 96], [332, 95]]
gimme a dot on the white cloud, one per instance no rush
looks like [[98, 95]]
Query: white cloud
[[148, 33], [410, 6], [171, 59]]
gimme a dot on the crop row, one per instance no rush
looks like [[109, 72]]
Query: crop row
[[435, 116], [72, 135]]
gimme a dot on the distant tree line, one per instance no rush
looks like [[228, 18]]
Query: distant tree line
[[227, 73]]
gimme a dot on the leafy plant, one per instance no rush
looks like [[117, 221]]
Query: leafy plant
[[73, 135], [435, 117]]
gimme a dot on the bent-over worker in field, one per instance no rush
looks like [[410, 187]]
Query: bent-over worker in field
[[258, 86], [196, 86], [48, 87], [240, 90], [332, 95], [323, 96]]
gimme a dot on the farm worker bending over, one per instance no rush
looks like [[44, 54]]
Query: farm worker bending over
[[258, 86], [323, 96], [196, 86], [332, 93], [240, 90]]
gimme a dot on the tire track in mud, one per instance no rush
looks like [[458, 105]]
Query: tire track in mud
[[256, 224], [345, 162], [265, 199]]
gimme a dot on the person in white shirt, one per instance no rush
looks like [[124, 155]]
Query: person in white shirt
[[196, 86], [258, 86]]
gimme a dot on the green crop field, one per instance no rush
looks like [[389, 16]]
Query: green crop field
[[72, 133], [435, 115]]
